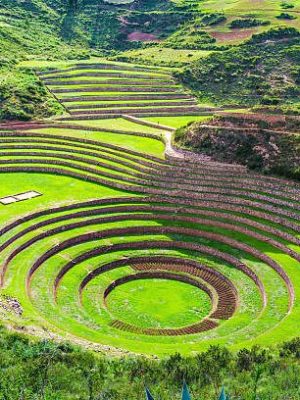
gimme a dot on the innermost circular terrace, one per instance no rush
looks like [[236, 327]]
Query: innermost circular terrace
[[172, 306], [158, 303]]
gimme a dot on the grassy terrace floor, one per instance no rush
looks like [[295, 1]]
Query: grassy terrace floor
[[143, 144], [140, 250]]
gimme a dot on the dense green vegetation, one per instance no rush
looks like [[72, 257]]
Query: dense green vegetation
[[191, 38], [48, 370], [192, 35], [22, 95], [247, 23], [28, 29]]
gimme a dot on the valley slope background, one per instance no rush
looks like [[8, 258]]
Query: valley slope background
[[209, 41], [211, 46]]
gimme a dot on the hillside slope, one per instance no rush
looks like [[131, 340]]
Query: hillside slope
[[30, 29], [268, 144], [178, 32], [263, 70], [59, 30]]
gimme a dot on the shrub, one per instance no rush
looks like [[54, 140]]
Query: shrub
[[275, 34], [285, 16], [247, 23], [291, 348], [286, 6], [213, 19]]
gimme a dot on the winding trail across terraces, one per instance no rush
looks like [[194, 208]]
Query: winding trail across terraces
[[228, 236]]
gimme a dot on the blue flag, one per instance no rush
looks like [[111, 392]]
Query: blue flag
[[148, 395], [185, 392], [223, 395]]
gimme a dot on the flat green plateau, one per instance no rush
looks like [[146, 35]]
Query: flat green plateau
[[158, 303], [177, 122], [165, 55]]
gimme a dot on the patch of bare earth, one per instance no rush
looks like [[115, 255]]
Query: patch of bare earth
[[11, 305], [138, 36], [237, 34]]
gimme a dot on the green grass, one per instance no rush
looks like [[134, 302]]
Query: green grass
[[99, 85], [44, 65], [177, 122], [163, 56], [109, 93], [158, 303], [82, 322], [141, 144], [101, 80], [117, 123], [142, 109], [124, 102], [54, 191], [71, 72]]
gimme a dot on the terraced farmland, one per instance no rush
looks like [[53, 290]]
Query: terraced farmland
[[94, 91], [135, 248]]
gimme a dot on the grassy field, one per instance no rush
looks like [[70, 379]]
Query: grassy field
[[158, 303], [117, 123], [147, 145], [163, 56], [177, 122], [265, 11]]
